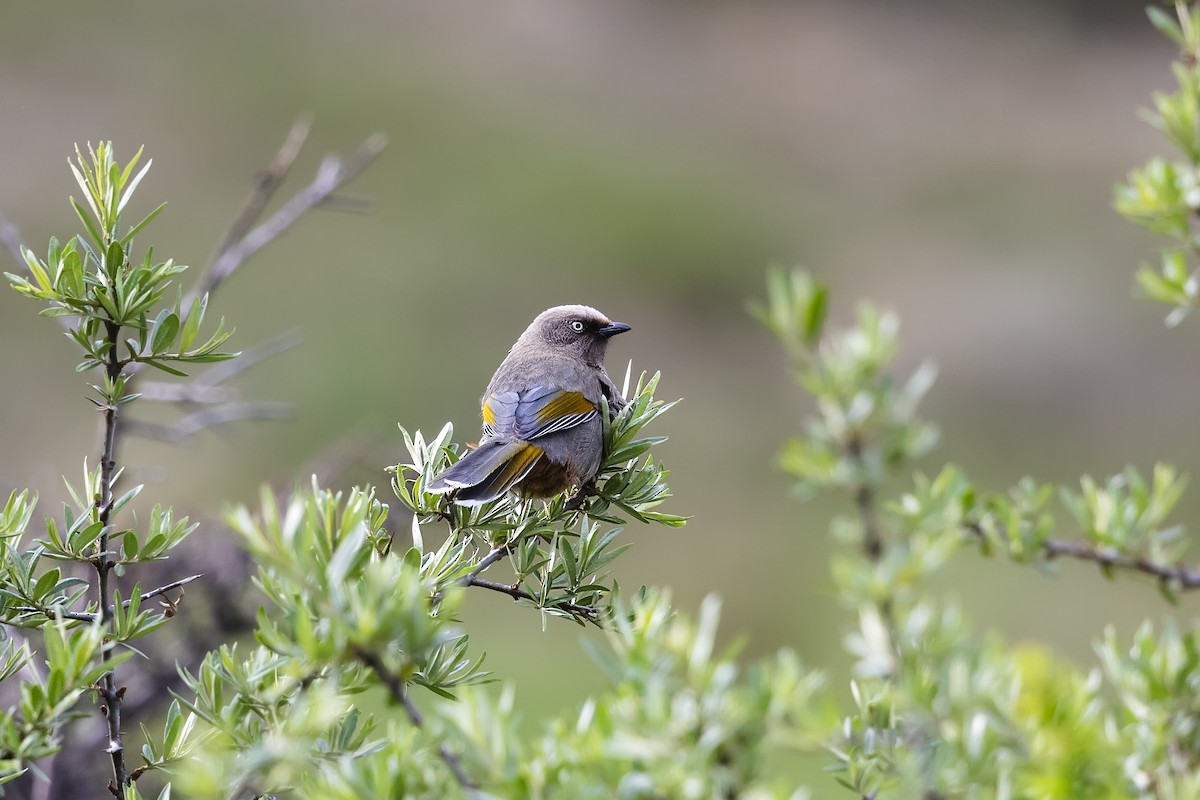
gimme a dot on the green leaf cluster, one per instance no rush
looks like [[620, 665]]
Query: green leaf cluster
[[866, 423], [98, 280], [1164, 195]]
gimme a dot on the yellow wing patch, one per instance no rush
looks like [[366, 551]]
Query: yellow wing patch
[[518, 465], [489, 416], [564, 405]]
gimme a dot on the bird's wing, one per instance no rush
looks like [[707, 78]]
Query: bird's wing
[[534, 412], [488, 471]]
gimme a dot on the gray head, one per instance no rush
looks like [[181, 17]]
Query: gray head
[[580, 330]]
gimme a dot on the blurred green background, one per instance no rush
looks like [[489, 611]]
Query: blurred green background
[[953, 161]]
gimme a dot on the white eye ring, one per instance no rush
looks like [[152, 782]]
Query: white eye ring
[[577, 326]]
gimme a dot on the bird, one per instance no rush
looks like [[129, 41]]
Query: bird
[[542, 431]]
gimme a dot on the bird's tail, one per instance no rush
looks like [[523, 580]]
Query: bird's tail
[[486, 472]]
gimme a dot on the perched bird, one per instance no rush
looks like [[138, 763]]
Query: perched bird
[[542, 431]]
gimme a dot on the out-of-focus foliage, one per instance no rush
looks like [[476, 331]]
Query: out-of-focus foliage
[[1164, 195], [938, 710]]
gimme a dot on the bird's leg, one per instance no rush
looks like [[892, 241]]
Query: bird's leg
[[447, 512], [585, 491]]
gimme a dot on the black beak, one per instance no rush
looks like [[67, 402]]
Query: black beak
[[612, 329]]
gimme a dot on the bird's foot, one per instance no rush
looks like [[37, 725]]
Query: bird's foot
[[581, 496]]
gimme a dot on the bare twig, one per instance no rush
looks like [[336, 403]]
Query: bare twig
[[10, 237], [166, 588], [331, 175], [266, 182], [190, 393], [345, 204], [251, 356], [220, 404], [205, 389], [399, 693], [192, 424]]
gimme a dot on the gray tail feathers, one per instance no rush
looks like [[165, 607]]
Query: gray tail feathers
[[486, 472]]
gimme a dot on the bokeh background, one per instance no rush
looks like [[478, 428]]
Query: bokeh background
[[953, 161]]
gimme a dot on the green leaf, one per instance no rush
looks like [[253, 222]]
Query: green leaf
[[46, 584], [136, 229], [129, 189], [163, 331], [87, 222], [124, 499], [1166, 24], [191, 325], [37, 270], [83, 176], [114, 259], [159, 365], [814, 318]]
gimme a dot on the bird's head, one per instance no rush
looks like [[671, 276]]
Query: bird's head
[[580, 330]]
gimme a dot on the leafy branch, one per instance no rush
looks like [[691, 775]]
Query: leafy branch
[[1124, 525], [114, 306], [399, 694], [97, 280], [1164, 195]]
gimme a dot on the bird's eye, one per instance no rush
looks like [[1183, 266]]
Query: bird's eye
[[577, 325]]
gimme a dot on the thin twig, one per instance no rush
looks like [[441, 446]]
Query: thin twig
[[191, 393], [1179, 576], [10, 237], [51, 613], [104, 564], [864, 501], [399, 693], [492, 557], [331, 175], [873, 545], [345, 204], [192, 424], [167, 588], [223, 406], [251, 356], [590, 613], [266, 182], [205, 389]]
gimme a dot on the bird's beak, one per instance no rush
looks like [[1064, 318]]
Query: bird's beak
[[612, 329]]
